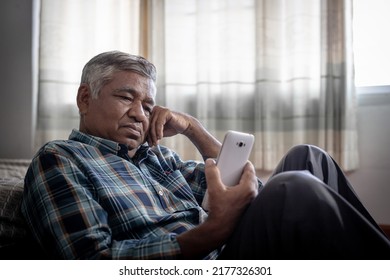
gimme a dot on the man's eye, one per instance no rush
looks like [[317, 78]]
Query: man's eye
[[127, 98], [148, 111]]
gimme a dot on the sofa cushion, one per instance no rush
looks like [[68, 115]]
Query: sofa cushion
[[12, 224], [16, 241], [13, 168]]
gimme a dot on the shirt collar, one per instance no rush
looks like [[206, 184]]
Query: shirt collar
[[105, 144]]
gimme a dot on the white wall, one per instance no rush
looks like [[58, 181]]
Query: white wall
[[372, 180], [17, 118]]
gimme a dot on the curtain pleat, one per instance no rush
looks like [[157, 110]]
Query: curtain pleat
[[71, 33], [280, 69]]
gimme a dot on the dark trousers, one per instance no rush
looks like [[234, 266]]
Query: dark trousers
[[307, 210]]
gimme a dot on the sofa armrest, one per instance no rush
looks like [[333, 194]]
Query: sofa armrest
[[12, 224], [16, 241]]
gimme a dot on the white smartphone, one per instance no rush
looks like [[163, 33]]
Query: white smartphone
[[233, 156]]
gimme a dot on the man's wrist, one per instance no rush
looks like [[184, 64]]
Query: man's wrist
[[201, 240]]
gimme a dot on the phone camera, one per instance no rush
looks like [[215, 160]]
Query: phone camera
[[240, 144]]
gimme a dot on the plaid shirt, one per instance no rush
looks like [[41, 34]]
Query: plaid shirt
[[86, 199]]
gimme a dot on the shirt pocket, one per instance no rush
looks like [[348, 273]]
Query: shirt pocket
[[177, 192]]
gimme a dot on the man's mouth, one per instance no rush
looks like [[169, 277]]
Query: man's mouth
[[134, 128]]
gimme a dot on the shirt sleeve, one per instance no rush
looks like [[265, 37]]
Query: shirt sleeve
[[64, 214]]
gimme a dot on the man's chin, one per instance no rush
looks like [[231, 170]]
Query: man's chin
[[132, 144]]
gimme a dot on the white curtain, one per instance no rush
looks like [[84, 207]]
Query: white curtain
[[280, 69], [72, 32]]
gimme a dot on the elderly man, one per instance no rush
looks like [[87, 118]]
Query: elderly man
[[112, 192]]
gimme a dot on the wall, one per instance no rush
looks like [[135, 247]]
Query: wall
[[17, 118], [372, 181]]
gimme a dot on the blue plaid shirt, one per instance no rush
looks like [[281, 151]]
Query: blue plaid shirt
[[86, 199]]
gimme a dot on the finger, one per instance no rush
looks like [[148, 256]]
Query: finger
[[249, 169], [213, 177], [248, 178], [154, 126], [151, 132], [149, 140], [160, 125], [160, 122]]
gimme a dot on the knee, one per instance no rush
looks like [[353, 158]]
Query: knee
[[300, 179], [304, 150], [294, 199], [306, 157], [296, 186]]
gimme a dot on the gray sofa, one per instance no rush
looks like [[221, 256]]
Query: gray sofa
[[16, 241]]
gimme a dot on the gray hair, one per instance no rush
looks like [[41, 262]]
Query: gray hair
[[101, 68]]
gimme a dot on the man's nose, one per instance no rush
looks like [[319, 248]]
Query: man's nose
[[137, 111]]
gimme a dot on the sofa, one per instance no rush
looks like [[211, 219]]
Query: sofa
[[16, 241]]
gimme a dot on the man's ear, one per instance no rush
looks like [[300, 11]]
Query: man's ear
[[84, 95]]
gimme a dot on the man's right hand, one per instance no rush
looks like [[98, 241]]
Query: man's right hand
[[226, 206]]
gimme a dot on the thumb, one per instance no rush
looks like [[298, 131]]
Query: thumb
[[213, 177]]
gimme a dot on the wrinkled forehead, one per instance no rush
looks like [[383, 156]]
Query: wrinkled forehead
[[134, 83]]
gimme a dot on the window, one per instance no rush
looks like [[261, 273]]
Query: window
[[371, 45]]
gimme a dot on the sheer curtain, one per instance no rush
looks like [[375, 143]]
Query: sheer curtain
[[72, 32], [280, 69]]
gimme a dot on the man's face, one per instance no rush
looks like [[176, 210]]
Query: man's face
[[122, 110]]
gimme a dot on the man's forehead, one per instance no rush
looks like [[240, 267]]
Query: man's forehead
[[148, 95]]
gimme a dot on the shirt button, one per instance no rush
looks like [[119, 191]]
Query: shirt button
[[160, 192]]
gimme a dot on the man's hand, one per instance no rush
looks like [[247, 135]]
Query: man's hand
[[166, 123], [227, 204]]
